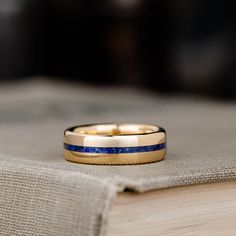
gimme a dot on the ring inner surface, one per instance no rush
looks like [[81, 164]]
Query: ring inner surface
[[116, 129]]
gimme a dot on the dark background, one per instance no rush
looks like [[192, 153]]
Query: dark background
[[168, 46]]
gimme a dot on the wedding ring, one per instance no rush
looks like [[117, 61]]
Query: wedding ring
[[114, 144]]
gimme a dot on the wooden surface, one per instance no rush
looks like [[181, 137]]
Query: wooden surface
[[204, 210]]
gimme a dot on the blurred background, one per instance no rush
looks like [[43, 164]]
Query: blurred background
[[167, 46]]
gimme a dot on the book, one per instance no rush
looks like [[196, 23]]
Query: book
[[207, 209]]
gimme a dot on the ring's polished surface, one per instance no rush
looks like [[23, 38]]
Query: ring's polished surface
[[115, 144]]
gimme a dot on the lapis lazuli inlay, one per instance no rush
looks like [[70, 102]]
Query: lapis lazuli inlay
[[114, 150]]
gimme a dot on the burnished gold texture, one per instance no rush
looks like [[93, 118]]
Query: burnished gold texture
[[115, 144]]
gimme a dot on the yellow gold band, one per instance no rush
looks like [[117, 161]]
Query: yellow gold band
[[117, 144]]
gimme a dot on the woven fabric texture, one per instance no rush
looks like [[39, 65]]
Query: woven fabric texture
[[42, 194]]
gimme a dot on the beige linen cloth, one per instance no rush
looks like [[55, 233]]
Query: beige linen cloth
[[42, 194]]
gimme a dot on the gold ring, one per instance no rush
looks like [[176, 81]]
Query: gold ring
[[115, 144]]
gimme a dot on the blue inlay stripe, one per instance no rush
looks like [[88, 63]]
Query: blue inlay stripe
[[114, 150]]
